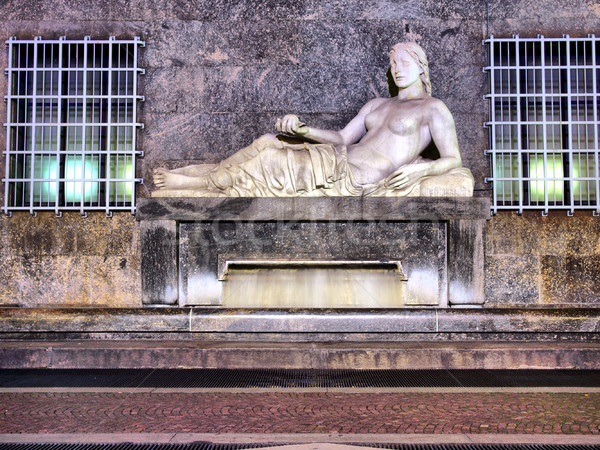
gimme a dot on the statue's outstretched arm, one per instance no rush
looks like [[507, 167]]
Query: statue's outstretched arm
[[350, 134]]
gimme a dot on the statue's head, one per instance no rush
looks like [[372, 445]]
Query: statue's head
[[416, 52]]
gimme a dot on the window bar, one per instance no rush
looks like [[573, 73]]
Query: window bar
[[494, 155], [490, 124], [134, 125], [544, 117], [28, 127], [578, 77], [109, 119], [595, 65], [569, 138], [84, 117], [33, 126], [42, 112], [519, 119], [59, 125], [8, 127]]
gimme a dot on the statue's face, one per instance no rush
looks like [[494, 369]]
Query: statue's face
[[405, 70]]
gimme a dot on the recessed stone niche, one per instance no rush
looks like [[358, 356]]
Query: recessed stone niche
[[303, 253]]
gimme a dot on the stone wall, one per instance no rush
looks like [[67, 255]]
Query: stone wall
[[219, 72], [70, 260], [535, 260]]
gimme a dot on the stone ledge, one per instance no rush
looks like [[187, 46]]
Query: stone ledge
[[198, 320], [309, 209], [246, 355]]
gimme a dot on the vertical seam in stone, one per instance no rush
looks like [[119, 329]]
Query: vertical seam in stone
[[437, 322], [190, 321], [50, 352]]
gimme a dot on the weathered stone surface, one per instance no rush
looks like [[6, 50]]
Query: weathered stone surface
[[218, 355], [352, 45], [389, 9], [193, 43], [542, 11], [159, 274], [39, 236], [15, 10], [204, 247], [10, 268], [231, 89], [201, 137], [535, 320], [115, 280], [111, 320], [70, 260], [465, 9], [219, 72], [176, 140], [207, 10], [401, 321], [118, 233], [53, 280], [532, 258], [472, 138], [465, 259], [424, 322], [71, 234], [51, 29], [570, 279], [313, 209], [549, 25], [512, 234], [511, 280], [531, 233], [148, 10], [578, 236]]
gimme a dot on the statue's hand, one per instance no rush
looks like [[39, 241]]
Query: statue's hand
[[291, 124], [406, 176]]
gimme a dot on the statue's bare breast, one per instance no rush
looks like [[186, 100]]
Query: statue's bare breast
[[392, 140]]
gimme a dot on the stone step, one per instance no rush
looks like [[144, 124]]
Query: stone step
[[405, 321], [107, 354]]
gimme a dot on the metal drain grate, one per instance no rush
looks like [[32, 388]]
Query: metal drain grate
[[217, 378], [211, 446], [480, 446], [129, 446]]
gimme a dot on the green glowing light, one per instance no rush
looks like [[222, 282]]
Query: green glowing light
[[44, 166], [552, 171], [584, 167], [121, 167], [77, 167], [507, 166]]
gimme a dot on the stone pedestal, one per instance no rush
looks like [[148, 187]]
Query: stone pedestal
[[439, 241]]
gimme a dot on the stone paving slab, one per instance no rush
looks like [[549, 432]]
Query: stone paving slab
[[288, 439], [559, 413]]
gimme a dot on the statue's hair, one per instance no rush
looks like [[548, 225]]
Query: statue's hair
[[416, 52]]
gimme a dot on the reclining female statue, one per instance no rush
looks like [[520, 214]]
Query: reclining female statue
[[377, 153]]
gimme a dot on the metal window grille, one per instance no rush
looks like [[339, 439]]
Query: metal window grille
[[71, 125], [544, 123]]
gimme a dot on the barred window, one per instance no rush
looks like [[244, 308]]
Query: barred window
[[544, 123], [71, 125]]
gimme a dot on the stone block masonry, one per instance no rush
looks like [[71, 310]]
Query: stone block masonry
[[218, 74]]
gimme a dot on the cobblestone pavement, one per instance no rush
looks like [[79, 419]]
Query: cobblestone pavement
[[300, 412]]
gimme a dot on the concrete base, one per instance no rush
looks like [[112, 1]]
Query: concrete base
[[465, 338], [247, 355], [401, 322], [185, 242]]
